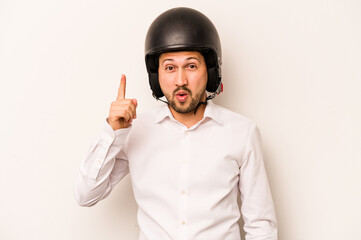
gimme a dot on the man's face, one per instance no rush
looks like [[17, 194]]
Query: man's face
[[183, 79]]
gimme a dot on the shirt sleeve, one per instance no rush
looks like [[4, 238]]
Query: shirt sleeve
[[257, 205], [103, 167]]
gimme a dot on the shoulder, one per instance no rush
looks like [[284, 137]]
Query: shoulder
[[235, 125]]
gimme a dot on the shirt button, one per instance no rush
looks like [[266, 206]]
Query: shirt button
[[99, 161], [186, 133], [183, 192], [183, 222]]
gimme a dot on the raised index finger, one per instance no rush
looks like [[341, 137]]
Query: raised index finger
[[121, 89]]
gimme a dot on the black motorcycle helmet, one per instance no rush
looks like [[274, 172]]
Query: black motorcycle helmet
[[183, 29]]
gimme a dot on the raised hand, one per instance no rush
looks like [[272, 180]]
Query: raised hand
[[122, 110]]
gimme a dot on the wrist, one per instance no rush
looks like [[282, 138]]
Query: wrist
[[116, 125]]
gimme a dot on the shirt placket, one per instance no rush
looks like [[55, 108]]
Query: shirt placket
[[183, 184]]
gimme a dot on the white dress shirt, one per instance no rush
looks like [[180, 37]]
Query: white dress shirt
[[185, 180]]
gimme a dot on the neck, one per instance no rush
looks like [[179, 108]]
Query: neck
[[190, 119]]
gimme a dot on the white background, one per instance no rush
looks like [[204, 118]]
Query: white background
[[293, 67]]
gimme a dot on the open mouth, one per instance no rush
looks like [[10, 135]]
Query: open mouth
[[181, 96]]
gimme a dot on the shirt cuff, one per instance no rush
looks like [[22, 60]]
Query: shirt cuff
[[116, 137]]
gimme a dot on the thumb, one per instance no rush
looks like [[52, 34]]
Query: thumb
[[135, 102]]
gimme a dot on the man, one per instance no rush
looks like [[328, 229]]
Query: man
[[189, 158]]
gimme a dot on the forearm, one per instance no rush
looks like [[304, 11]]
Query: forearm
[[104, 165], [258, 211], [257, 205]]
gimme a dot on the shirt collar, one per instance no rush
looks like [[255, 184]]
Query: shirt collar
[[162, 112], [211, 112]]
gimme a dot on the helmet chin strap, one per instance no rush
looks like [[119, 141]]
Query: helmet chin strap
[[160, 99], [208, 98], [200, 102]]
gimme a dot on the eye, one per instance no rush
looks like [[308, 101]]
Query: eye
[[169, 68], [192, 66]]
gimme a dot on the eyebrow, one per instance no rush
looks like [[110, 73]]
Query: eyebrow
[[170, 59]]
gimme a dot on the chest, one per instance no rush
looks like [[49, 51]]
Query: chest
[[201, 158]]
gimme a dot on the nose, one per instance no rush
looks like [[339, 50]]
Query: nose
[[181, 78]]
